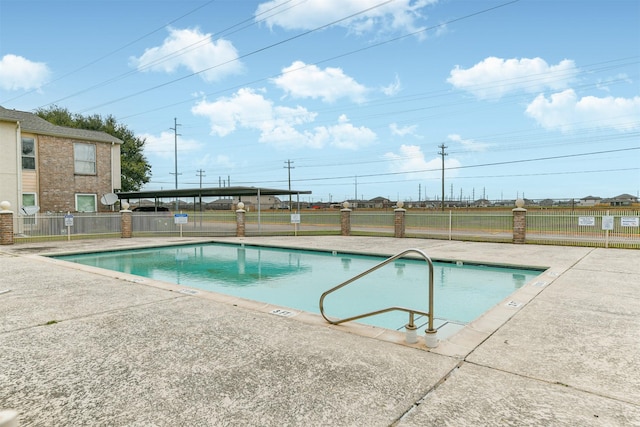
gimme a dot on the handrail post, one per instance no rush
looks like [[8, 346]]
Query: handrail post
[[411, 330], [431, 339]]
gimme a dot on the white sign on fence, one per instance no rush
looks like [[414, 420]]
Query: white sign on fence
[[630, 221], [586, 221], [295, 218], [68, 220], [180, 218], [607, 222]]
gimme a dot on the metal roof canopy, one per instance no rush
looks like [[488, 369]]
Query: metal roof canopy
[[212, 192], [208, 192]]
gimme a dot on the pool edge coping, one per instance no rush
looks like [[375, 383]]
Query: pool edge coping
[[458, 345]]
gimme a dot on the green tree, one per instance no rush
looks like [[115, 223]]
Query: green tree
[[135, 169]]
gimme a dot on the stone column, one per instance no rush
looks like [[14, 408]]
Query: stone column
[[519, 223], [399, 221], [240, 220], [6, 224], [126, 222], [345, 220]]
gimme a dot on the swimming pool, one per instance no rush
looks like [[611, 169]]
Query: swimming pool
[[295, 279]]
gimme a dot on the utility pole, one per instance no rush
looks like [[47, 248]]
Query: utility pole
[[175, 145], [419, 193], [289, 167], [442, 153], [200, 174], [356, 194]]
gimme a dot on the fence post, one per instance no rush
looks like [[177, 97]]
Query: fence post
[[519, 222], [126, 221], [6, 224], [240, 220], [345, 220], [399, 220]]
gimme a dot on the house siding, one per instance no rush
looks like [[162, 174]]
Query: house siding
[[58, 182], [9, 164]]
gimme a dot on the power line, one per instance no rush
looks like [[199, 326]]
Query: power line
[[349, 53], [254, 52], [95, 61], [165, 58], [471, 166]]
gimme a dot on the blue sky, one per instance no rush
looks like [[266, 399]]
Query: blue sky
[[539, 98]]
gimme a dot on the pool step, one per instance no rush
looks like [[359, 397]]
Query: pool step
[[445, 328]]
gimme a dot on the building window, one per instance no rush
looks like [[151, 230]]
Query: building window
[[84, 158], [86, 203], [28, 153]]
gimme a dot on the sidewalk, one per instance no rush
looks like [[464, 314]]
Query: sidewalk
[[81, 347]]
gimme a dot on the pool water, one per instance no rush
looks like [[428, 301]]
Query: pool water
[[295, 279]]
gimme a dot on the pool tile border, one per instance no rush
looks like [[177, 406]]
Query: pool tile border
[[458, 345]]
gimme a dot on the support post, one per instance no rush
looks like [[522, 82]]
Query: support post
[[519, 223], [6, 224], [399, 221], [240, 220], [345, 220], [126, 221]]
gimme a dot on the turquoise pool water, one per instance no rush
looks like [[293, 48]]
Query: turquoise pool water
[[295, 279]]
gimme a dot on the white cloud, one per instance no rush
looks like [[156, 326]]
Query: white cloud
[[494, 77], [245, 108], [393, 88], [17, 72], [300, 80], [279, 125], [346, 136], [403, 131], [163, 145], [469, 144], [411, 160], [219, 161], [565, 112], [399, 15], [603, 84], [193, 50]]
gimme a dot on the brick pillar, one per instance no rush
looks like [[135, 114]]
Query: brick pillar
[[126, 223], [399, 222], [6, 224], [519, 223], [345, 220], [240, 220]]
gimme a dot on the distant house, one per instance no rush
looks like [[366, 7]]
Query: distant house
[[482, 203], [589, 201], [264, 202], [220, 204], [380, 202], [621, 200], [56, 168]]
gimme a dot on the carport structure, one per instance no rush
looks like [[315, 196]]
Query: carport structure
[[199, 193]]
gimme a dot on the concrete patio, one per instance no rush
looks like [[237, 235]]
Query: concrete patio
[[81, 346]]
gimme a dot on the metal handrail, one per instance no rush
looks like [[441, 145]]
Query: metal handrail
[[411, 312]]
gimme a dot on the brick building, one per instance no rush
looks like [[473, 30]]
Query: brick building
[[56, 168]]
